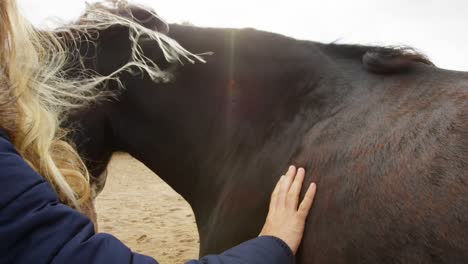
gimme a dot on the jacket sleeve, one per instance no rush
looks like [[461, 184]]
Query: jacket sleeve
[[261, 250], [36, 228]]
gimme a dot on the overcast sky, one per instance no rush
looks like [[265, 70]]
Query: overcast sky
[[436, 27]]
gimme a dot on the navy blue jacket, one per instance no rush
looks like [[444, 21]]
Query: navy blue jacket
[[36, 228]]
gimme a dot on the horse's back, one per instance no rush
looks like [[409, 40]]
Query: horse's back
[[392, 171]]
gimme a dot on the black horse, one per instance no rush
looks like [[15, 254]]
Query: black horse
[[382, 132]]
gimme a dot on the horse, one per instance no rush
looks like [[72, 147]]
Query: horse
[[381, 130]]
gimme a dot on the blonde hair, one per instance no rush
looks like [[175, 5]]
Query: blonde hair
[[36, 94]]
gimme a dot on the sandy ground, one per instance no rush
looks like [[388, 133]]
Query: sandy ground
[[146, 214]]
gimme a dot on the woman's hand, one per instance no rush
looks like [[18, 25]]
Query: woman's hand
[[286, 217]]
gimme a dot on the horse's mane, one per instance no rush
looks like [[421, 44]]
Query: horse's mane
[[140, 14], [380, 59], [139, 23], [143, 21], [392, 59]]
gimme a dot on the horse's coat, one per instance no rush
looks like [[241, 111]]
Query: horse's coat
[[389, 151]]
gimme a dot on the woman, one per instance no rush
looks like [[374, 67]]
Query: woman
[[45, 204]]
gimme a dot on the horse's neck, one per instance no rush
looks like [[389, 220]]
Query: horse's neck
[[92, 137], [224, 113], [232, 127]]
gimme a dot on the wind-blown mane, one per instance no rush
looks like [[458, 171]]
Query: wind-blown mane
[[392, 59], [144, 16], [140, 23], [378, 59]]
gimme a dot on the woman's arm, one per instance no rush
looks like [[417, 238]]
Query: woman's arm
[[263, 249], [36, 228]]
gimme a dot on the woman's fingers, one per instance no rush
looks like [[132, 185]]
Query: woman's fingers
[[287, 191], [285, 219], [292, 199], [274, 195], [308, 200], [285, 185]]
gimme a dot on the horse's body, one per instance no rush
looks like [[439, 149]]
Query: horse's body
[[388, 151]]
